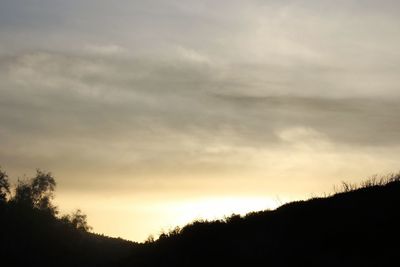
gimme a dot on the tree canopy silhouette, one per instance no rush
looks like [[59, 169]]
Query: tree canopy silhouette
[[4, 186], [37, 192], [77, 220]]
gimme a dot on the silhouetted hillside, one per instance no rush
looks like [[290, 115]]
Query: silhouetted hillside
[[356, 227], [34, 238], [32, 233]]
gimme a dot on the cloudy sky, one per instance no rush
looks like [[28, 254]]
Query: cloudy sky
[[153, 113]]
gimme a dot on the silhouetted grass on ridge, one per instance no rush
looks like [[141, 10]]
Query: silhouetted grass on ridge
[[345, 187], [355, 226]]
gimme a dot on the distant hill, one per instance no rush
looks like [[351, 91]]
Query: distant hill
[[359, 226]]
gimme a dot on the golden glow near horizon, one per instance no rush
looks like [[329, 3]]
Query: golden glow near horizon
[[134, 205], [136, 209], [136, 220]]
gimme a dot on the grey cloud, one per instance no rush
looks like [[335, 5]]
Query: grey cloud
[[219, 28], [350, 121], [66, 97], [158, 78]]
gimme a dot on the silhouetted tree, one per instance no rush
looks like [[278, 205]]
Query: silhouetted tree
[[4, 186], [78, 220], [37, 192]]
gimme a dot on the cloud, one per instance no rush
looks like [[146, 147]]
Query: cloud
[[194, 86], [109, 49], [80, 110]]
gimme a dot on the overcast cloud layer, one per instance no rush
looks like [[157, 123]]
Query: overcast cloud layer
[[161, 95]]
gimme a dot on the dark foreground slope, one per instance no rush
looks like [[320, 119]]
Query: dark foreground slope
[[31, 237], [356, 228], [33, 233]]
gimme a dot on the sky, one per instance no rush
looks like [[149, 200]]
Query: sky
[[151, 114]]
